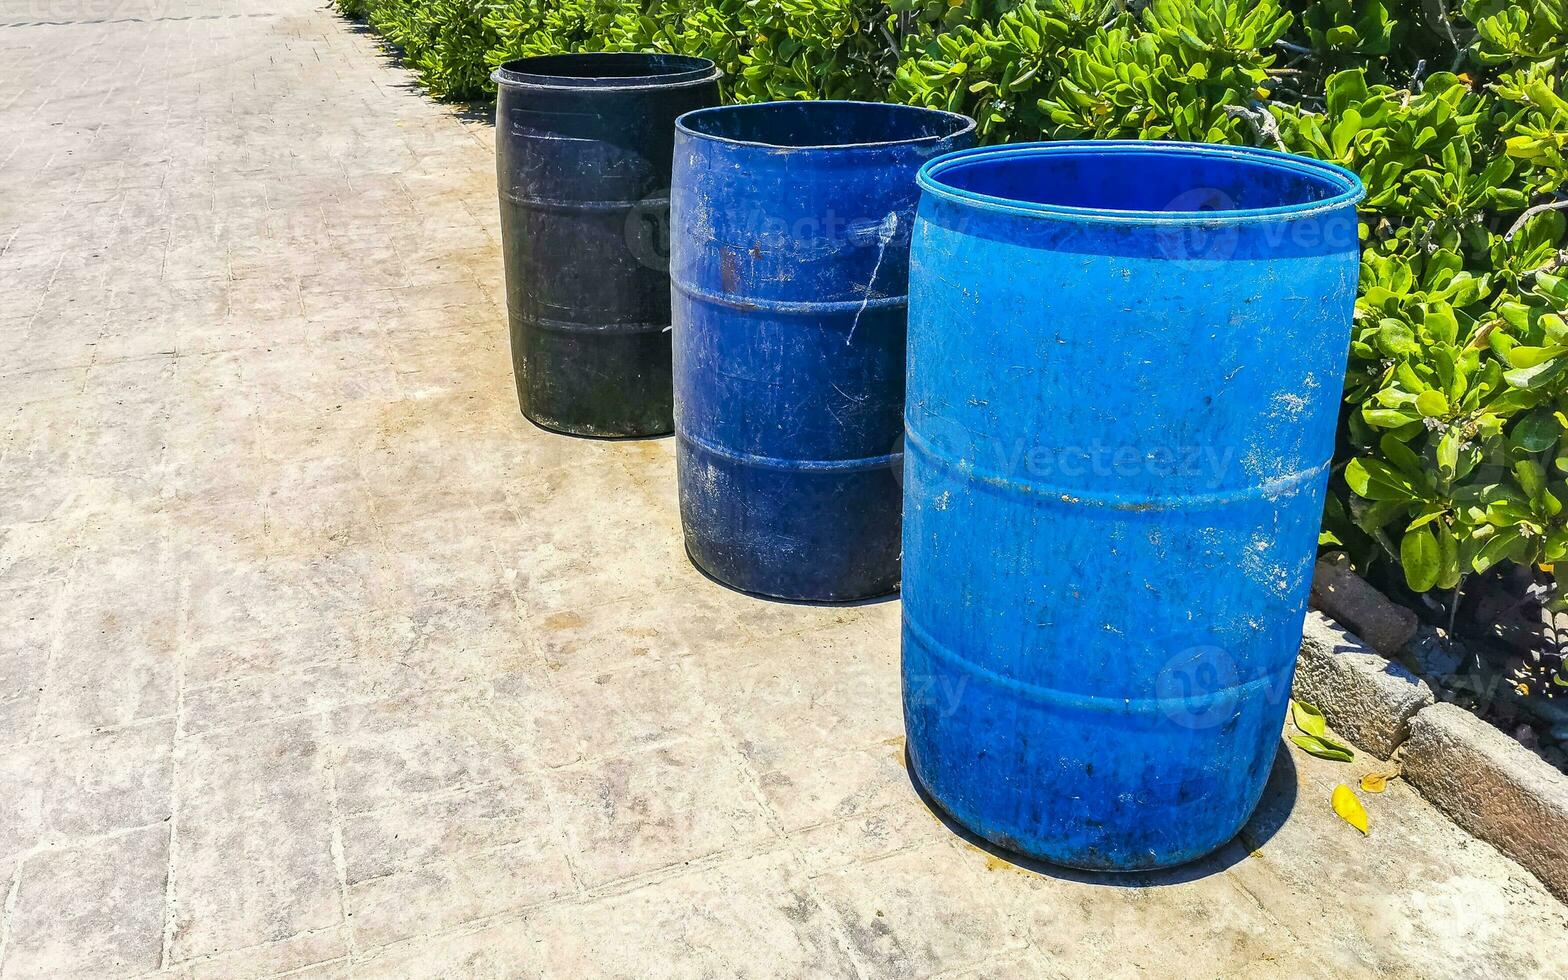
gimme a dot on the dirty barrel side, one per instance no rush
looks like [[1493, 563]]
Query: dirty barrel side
[[1125, 369], [789, 261], [583, 168]]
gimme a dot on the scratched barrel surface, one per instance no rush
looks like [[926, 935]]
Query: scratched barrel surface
[[789, 255], [583, 145], [1125, 364]]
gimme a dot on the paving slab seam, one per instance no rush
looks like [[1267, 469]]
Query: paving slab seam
[[465, 927], [231, 954], [62, 738], [628, 884], [171, 893], [754, 786], [901, 850], [57, 615], [311, 968], [553, 806], [468, 927], [521, 914], [1258, 905], [335, 815], [955, 846], [8, 908], [70, 843], [270, 720]]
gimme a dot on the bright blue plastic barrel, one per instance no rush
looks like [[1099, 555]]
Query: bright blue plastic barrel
[[1125, 363], [789, 256]]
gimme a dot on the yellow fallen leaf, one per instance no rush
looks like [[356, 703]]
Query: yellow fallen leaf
[[1350, 808], [1375, 782]]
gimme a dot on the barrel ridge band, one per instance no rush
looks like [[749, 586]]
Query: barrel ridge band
[[514, 80], [1351, 190]]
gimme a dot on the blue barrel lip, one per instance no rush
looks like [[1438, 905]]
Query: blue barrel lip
[[602, 71], [1350, 189], [964, 124]]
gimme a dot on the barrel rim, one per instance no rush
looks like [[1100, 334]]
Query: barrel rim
[[690, 70], [682, 125], [1351, 190]]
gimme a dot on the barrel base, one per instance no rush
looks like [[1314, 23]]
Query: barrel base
[[614, 387], [790, 530], [593, 432], [974, 825], [1095, 783], [785, 596]]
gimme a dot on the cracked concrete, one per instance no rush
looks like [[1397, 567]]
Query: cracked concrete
[[318, 659]]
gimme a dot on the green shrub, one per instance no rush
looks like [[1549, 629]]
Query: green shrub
[[445, 42], [1453, 449]]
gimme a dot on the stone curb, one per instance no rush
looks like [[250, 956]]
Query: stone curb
[[1492, 787], [1484, 781], [1366, 697], [1348, 598]]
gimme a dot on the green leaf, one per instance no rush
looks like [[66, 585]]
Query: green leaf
[[1432, 404], [1420, 558], [1531, 479], [1388, 418], [1307, 718], [1529, 357], [1536, 376], [1555, 326], [1448, 551], [1344, 89], [1495, 549], [1341, 37], [1395, 338], [1378, 481], [1441, 323], [1401, 456], [1323, 747], [1536, 432], [1344, 131]]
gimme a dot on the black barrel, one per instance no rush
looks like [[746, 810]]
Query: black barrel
[[583, 148]]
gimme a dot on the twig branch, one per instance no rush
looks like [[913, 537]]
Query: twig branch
[[1551, 265], [892, 42], [1529, 213], [1260, 121]]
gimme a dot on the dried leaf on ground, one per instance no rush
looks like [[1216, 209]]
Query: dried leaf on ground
[[1377, 782]]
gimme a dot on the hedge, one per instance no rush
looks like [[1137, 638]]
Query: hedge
[[1454, 445]]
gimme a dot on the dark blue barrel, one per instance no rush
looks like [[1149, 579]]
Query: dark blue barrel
[[789, 257], [583, 145], [1125, 363]]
